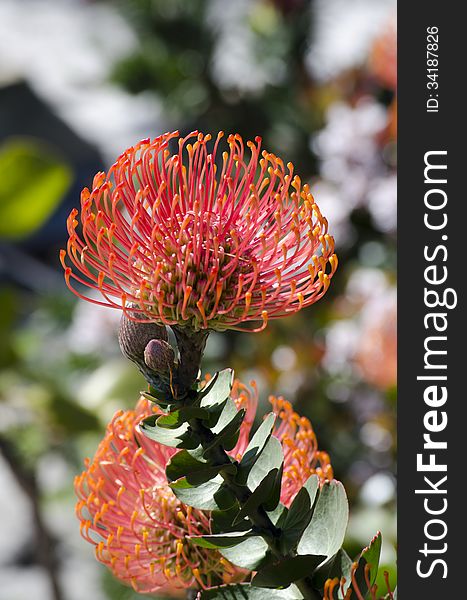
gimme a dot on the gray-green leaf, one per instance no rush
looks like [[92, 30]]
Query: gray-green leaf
[[299, 514], [255, 447], [245, 591], [249, 554], [284, 572], [326, 530], [179, 437], [218, 389], [199, 496], [225, 540]]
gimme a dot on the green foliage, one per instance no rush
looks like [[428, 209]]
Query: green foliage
[[369, 556], [194, 467], [265, 494], [245, 591], [177, 437], [218, 389], [255, 448], [271, 457], [227, 437], [250, 526], [33, 181], [226, 540], [252, 554], [299, 514], [198, 496], [326, 531], [339, 565], [282, 573]]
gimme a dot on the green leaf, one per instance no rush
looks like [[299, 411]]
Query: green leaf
[[255, 447], [260, 495], [183, 414], [299, 515], [245, 591], [270, 458], [272, 501], [339, 566], [225, 499], [218, 389], [228, 436], [181, 437], [284, 572], [198, 496], [369, 555], [33, 182], [223, 418], [250, 554], [196, 471], [278, 515], [225, 540], [372, 553], [222, 520], [325, 532], [157, 398]]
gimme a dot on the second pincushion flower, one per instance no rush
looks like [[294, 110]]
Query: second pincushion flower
[[198, 238]]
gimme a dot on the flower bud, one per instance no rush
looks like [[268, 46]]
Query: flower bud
[[133, 337], [159, 356]]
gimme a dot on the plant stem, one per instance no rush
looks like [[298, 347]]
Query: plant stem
[[191, 346]]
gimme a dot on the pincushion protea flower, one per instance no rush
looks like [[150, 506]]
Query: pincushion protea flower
[[200, 239], [138, 526]]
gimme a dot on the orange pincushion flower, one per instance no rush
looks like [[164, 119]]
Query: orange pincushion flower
[[139, 527], [200, 239]]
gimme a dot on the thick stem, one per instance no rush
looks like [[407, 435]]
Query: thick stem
[[191, 346]]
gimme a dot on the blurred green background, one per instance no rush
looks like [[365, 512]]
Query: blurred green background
[[79, 82]]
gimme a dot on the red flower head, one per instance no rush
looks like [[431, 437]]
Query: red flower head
[[139, 527], [198, 239]]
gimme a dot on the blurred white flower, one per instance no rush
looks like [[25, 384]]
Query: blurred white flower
[[343, 33], [337, 210], [65, 51], [284, 358], [93, 329], [237, 63], [365, 284], [341, 342], [382, 203], [24, 584], [348, 148], [378, 489], [352, 167], [375, 436]]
